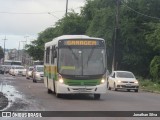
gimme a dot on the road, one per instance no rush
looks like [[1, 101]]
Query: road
[[25, 95]]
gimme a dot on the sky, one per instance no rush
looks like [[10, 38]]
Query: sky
[[22, 20]]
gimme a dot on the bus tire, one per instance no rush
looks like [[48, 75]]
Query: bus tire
[[49, 91], [97, 96], [54, 92], [58, 95]]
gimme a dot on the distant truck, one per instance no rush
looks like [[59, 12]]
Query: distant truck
[[12, 62], [8, 63], [38, 62]]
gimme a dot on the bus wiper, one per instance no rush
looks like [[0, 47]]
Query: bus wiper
[[90, 55], [73, 52]]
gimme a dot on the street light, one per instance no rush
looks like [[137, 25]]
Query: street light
[[66, 7]]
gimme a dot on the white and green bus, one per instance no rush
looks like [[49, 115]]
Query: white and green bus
[[75, 64]]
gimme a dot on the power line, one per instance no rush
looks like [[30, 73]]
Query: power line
[[6, 12], [140, 12], [23, 13]]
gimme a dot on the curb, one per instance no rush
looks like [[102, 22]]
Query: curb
[[151, 91]]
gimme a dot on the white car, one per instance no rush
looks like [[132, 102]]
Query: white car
[[38, 73], [18, 70], [11, 69], [24, 72], [122, 80], [29, 72]]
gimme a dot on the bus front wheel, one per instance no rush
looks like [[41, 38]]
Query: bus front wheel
[[49, 91], [97, 96]]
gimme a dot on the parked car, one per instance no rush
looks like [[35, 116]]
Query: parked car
[[18, 70], [38, 73], [11, 69], [29, 72], [24, 72], [122, 80]]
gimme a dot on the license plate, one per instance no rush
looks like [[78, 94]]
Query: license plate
[[82, 89], [128, 84]]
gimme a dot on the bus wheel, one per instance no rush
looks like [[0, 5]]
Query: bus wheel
[[58, 95], [49, 91], [97, 96], [54, 92]]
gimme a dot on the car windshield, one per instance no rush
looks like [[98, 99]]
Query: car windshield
[[125, 75], [40, 69]]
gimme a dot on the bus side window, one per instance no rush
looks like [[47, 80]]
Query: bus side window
[[47, 54], [52, 55]]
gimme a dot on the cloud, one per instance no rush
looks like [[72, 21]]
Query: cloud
[[21, 17]]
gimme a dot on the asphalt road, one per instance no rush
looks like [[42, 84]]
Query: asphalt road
[[25, 95]]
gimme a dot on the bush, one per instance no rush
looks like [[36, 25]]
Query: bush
[[155, 67]]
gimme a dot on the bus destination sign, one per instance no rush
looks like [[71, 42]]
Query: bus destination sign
[[81, 43]]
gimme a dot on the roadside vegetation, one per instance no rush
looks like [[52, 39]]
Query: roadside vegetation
[[138, 44], [149, 85]]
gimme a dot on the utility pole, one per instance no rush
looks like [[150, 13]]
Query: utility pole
[[26, 38], [18, 51], [114, 61], [4, 48], [23, 56], [66, 7]]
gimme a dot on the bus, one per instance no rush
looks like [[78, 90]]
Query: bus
[[12, 62], [75, 64], [16, 62], [38, 62], [7, 62]]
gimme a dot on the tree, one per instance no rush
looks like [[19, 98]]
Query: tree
[[36, 48], [72, 24], [155, 67]]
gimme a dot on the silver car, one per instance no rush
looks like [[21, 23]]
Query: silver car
[[18, 70], [38, 73], [123, 80], [29, 72]]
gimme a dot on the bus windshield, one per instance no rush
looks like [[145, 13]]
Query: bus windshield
[[16, 63], [82, 61]]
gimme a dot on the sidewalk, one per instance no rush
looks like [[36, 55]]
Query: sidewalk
[[3, 101]]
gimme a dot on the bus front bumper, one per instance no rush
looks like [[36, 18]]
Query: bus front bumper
[[66, 89]]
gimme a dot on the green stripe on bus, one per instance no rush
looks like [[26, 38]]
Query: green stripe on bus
[[73, 82]]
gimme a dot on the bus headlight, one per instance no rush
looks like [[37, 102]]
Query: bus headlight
[[60, 79], [103, 80]]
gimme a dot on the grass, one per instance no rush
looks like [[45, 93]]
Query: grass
[[149, 85]]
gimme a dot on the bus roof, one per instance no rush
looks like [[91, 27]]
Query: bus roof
[[55, 40]]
